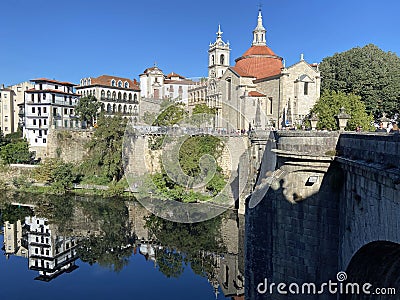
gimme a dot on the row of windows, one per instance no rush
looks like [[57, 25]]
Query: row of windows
[[121, 109], [40, 134], [121, 96], [126, 84], [44, 141], [53, 98], [114, 96], [55, 110], [40, 122], [88, 81]]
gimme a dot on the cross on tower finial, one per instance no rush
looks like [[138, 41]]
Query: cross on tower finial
[[260, 6], [219, 33]]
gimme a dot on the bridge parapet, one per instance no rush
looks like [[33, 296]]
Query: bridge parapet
[[314, 143], [370, 147]]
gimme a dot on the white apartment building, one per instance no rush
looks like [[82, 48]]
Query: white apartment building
[[49, 104], [49, 254], [117, 94], [11, 99]]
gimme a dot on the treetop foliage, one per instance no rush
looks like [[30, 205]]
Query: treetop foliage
[[368, 72], [329, 104]]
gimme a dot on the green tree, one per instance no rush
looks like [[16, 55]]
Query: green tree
[[105, 149], [202, 114], [368, 72], [171, 115], [61, 175], [329, 105], [16, 153], [87, 109]]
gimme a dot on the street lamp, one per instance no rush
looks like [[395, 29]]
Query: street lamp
[[385, 121], [342, 118], [314, 120]]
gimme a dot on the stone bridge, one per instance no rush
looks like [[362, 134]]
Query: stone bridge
[[334, 207]]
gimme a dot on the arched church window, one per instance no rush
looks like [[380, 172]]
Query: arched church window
[[113, 82], [222, 59], [135, 97], [212, 59], [120, 83], [126, 84], [108, 94], [114, 95], [130, 96], [119, 95]]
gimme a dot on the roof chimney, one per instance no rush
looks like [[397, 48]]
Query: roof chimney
[[2, 85], [301, 56]]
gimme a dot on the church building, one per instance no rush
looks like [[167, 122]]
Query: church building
[[259, 91]]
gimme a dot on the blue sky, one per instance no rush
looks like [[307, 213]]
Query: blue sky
[[68, 40]]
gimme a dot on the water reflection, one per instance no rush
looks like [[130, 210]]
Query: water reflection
[[57, 235]]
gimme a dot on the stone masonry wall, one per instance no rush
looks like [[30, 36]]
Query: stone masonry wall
[[355, 201], [69, 145], [370, 199]]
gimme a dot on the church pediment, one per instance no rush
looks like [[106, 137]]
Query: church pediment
[[305, 78]]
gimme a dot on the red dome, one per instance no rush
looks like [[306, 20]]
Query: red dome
[[258, 62]]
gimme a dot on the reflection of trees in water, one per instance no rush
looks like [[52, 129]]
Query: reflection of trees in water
[[13, 213], [105, 237], [182, 244], [113, 247], [110, 246]]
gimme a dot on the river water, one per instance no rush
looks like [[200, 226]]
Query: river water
[[69, 247]]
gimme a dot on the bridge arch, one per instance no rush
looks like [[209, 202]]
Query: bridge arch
[[377, 263]]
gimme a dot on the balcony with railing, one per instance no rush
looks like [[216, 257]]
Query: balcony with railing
[[120, 100], [37, 115]]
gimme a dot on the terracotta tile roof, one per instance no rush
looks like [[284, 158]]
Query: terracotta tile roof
[[255, 94], [51, 91], [105, 80], [172, 74], [183, 82], [151, 69], [258, 62], [240, 72], [52, 81]]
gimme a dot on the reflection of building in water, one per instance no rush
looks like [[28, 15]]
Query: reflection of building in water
[[49, 254], [230, 266], [14, 243], [137, 214]]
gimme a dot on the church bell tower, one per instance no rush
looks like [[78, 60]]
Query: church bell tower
[[218, 56]]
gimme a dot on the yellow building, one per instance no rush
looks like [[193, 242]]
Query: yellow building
[[11, 99]]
